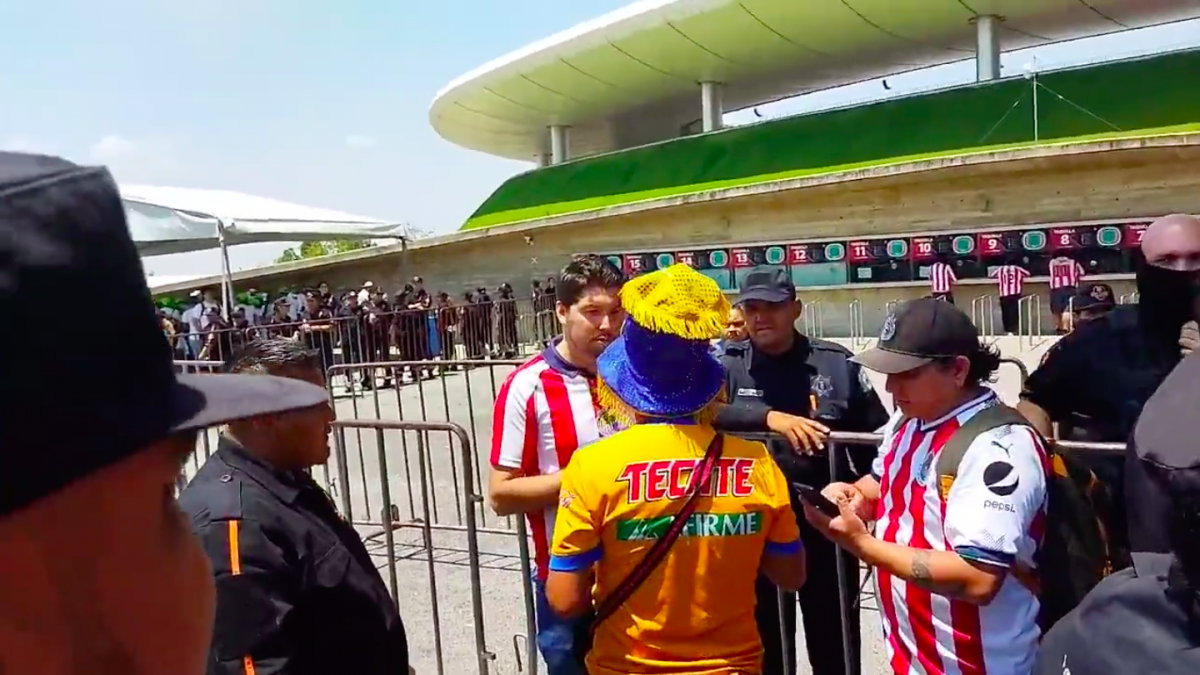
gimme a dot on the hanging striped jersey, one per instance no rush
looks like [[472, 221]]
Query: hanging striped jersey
[[1064, 273], [941, 278]]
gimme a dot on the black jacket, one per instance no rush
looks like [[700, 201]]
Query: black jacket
[[1127, 624], [812, 372], [297, 592], [1096, 379]]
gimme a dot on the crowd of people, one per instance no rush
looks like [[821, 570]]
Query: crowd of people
[[365, 325], [661, 522]]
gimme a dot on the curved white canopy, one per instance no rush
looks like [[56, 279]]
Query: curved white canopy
[[630, 77], [177, 220]]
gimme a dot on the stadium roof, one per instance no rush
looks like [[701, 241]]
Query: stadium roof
[[630, 77]]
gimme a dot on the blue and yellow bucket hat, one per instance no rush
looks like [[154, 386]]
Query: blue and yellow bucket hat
[[661, 365]]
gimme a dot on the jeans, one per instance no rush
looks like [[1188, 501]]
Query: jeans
[[562, 642]]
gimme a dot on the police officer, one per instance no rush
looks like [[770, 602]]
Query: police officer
[[297, 591], [1095, 380], [783, 382]]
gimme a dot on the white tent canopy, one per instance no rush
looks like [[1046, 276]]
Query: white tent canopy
[[167, 220]]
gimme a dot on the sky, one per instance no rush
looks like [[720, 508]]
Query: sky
[[318, 102]]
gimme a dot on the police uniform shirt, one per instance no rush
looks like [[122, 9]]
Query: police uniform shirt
[[1097, 378], [297, 591], [813, 379]]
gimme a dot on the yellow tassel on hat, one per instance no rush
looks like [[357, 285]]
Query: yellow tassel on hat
[[678, 301]]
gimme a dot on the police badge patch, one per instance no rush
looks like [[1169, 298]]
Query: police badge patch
[[822, 386], [889, 328]]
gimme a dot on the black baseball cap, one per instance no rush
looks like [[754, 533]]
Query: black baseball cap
[[774, 285], [919, 332], [68, 412]]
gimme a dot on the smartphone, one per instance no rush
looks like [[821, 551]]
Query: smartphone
[[818, 501]]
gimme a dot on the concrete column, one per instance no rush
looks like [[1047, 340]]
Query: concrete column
[[560, 150], [711, 107], [987, 47]]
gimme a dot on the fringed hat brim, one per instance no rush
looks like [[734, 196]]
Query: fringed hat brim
[[657, 375], [613, 409]]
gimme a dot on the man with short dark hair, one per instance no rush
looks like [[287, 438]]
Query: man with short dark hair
[[544, 412], [98, 572], [951, 553], [297, 591]]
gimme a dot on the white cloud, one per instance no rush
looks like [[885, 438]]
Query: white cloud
[[24, 144], [112, 147], [355, 141]]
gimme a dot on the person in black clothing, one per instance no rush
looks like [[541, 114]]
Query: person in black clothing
[[1146, 619], [297, 591], [317, 328], [416, 327], [486, 316], [799, 388], [506, 323], [218, 337], [1095, 380], [448, 327], [280, 323], [379, 320], [351, 326]]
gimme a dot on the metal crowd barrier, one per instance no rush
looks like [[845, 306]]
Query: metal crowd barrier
[[814, 319], [1029, 321], [858, 338], [501, 328], [983, 315]]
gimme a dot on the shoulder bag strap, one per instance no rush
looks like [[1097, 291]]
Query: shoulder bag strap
[[952, 453], [662, 546]]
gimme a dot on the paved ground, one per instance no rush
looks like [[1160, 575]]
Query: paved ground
[[437, 573]]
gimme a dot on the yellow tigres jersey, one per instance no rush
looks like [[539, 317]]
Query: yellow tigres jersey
[[695, 614]]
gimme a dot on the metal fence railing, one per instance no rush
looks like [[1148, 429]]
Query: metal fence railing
[[983, 314]]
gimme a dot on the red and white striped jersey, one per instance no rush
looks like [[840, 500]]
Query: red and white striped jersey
[[1064, 273], [993, 512], [942, 277], [1011, 279], [544, 412]]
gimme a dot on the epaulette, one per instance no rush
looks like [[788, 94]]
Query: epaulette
[[225, 497]]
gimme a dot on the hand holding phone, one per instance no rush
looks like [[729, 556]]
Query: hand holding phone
[[813, 497]]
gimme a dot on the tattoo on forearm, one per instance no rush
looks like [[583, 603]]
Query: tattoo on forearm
[[922, 576]]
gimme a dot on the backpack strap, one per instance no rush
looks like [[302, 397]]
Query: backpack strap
[[952, 453], [956, 447]]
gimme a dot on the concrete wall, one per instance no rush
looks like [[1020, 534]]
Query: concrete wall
[[1044, 189]]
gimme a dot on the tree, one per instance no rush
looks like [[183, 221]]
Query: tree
[[316, 249]]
